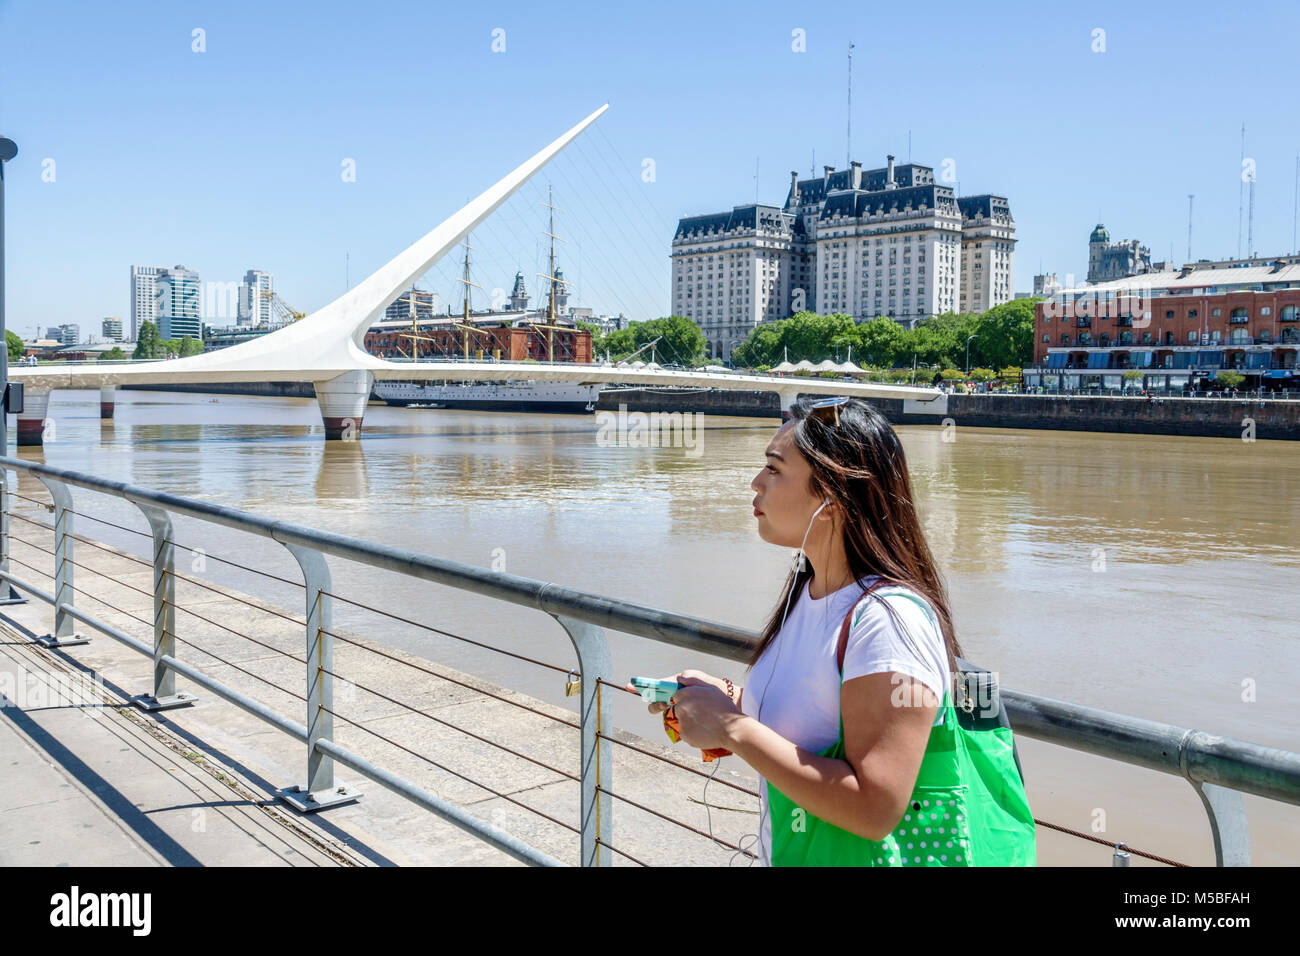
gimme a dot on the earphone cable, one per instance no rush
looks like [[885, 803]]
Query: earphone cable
[[762, 819]]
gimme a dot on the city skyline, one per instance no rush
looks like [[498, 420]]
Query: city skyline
[[95, 186]]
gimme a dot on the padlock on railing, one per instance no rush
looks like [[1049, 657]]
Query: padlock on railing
[[572, 684]]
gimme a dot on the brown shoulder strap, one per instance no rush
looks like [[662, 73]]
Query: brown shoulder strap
[[843, 644]]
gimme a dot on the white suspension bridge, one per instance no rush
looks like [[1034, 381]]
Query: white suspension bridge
[[326, 347]]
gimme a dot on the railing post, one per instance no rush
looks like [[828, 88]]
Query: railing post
[[321, 790], [597, 759], [5, 504], [164, 694], [1228, 823], [1224, 807], [65, 633]]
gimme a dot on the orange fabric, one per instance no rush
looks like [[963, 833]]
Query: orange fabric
[[674, 731]]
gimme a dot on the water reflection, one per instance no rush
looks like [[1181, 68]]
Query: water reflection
[[341, 472]]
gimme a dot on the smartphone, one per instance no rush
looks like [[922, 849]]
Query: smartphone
[[655, 691]]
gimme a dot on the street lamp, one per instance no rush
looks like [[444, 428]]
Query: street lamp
[[8, 150], [968, 353]]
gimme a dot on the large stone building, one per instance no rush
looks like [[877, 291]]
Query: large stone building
[[866, 243], [1115, 260]]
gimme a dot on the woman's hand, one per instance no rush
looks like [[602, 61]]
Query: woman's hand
[[705, 714], [687, 678]]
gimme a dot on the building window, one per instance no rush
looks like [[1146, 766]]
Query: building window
[[1290, 313]]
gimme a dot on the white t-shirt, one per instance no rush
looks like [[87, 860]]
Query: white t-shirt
[[796, 683]]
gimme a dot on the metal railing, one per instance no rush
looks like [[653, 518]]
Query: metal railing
[[1219, 769]]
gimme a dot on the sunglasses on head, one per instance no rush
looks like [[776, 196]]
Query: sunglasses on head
[[827, 410]]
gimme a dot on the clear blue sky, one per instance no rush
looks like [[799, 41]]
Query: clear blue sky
[[231, 158]]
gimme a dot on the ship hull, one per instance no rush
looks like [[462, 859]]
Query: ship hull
[[557, 398]]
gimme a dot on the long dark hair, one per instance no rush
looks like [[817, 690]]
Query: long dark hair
[[859, 464]]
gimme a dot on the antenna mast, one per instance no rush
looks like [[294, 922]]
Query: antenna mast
[[849, 143], [1295, 202], [1250, 219], [1240, 186]]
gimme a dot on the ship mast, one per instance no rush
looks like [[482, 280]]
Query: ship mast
[[465, 326], [550, 305], [414, 335]]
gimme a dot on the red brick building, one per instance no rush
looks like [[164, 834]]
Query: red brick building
[[507, 338], [1176, 328]]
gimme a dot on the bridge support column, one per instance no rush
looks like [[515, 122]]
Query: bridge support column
[[107, 394], [787, 402], [31, 420], [342, 402]]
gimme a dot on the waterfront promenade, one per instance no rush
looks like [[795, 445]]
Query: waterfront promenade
[[103, 783]]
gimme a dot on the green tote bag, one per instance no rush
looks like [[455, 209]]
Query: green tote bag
[[968, 805]]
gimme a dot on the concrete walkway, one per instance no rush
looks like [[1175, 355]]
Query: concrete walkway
[[94, 780]]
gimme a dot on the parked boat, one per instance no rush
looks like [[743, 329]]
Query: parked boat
[[563, 397]]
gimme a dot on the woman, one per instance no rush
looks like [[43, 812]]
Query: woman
[[835, 485]]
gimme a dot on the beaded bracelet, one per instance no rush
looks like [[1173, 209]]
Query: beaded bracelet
[[731, 689]]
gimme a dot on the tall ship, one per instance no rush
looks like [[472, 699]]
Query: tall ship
[[513, 396]]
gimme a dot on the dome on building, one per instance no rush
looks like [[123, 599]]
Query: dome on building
[[1099, 234]]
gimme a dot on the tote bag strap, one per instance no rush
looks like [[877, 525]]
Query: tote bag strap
[[844, 628], [843, 643]]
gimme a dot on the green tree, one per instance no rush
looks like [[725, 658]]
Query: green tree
[[762, 347], [810, 336], [189, 346], [148, 344], [879, 342], [1229, 379], [15, 345], [681, 341], [115, 354], [940, 340], [1006, 335]]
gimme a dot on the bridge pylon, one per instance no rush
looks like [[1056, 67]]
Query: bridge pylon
[[342, 402], [31, 420]]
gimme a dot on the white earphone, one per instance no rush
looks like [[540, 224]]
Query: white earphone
[[801, 562]]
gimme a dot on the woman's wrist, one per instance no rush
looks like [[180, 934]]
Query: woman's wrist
[[740, 733]]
